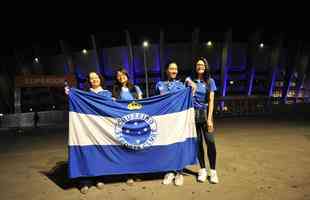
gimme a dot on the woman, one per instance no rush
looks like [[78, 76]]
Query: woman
[[123, 89], [204, 94], [95, 81], [172, 84]]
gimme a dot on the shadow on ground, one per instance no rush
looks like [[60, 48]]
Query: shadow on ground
[[59, 175]]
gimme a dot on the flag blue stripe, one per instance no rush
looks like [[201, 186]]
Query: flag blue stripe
[[91, 103], [87, 161]]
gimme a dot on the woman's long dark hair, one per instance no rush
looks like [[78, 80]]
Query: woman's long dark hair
[[117, 86], [206, 75]]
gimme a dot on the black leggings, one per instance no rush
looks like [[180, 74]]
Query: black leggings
[[202, 132]]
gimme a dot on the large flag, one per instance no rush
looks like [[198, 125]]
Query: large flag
[[128, 137]]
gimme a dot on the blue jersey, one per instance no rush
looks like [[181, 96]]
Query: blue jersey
[[164, 87], [104, 93], [201, 97], [125, 93]]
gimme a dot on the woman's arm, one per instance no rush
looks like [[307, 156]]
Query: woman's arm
[[192, 84], [210, 112], [139, 96], [159, 88], [67, 90], [139, 92]]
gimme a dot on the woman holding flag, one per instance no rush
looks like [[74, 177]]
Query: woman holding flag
[[205, 128], [164, 87], [123, 89], [96, 85]]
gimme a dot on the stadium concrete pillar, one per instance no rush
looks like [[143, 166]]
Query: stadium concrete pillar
[[195, 43], [274, 62], [17, 100], [17, 90], [130, 56], [69, 68], [224, 61], [95, 49], [162, 54], [251, 57], [294, 56], [145, 56], [304, 65]]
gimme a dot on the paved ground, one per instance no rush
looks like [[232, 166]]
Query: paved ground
[[257, 159]]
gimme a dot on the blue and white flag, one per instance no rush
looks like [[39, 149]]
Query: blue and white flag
[[129, 137]]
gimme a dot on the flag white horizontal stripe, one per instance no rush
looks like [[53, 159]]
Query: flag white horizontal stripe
[[96, 130]]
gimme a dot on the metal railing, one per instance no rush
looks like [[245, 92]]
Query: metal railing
[[242, 106], [231, 106]]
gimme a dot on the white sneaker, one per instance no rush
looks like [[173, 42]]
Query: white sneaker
[[213, 176], [84, 189], [168, 178], [130, 182], [178, 181], [202, 175], [100, 185]]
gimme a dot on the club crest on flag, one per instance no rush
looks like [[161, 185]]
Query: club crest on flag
[[136, 131], [134, 106]]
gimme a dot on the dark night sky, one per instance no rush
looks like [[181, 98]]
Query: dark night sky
[[22, 33]]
